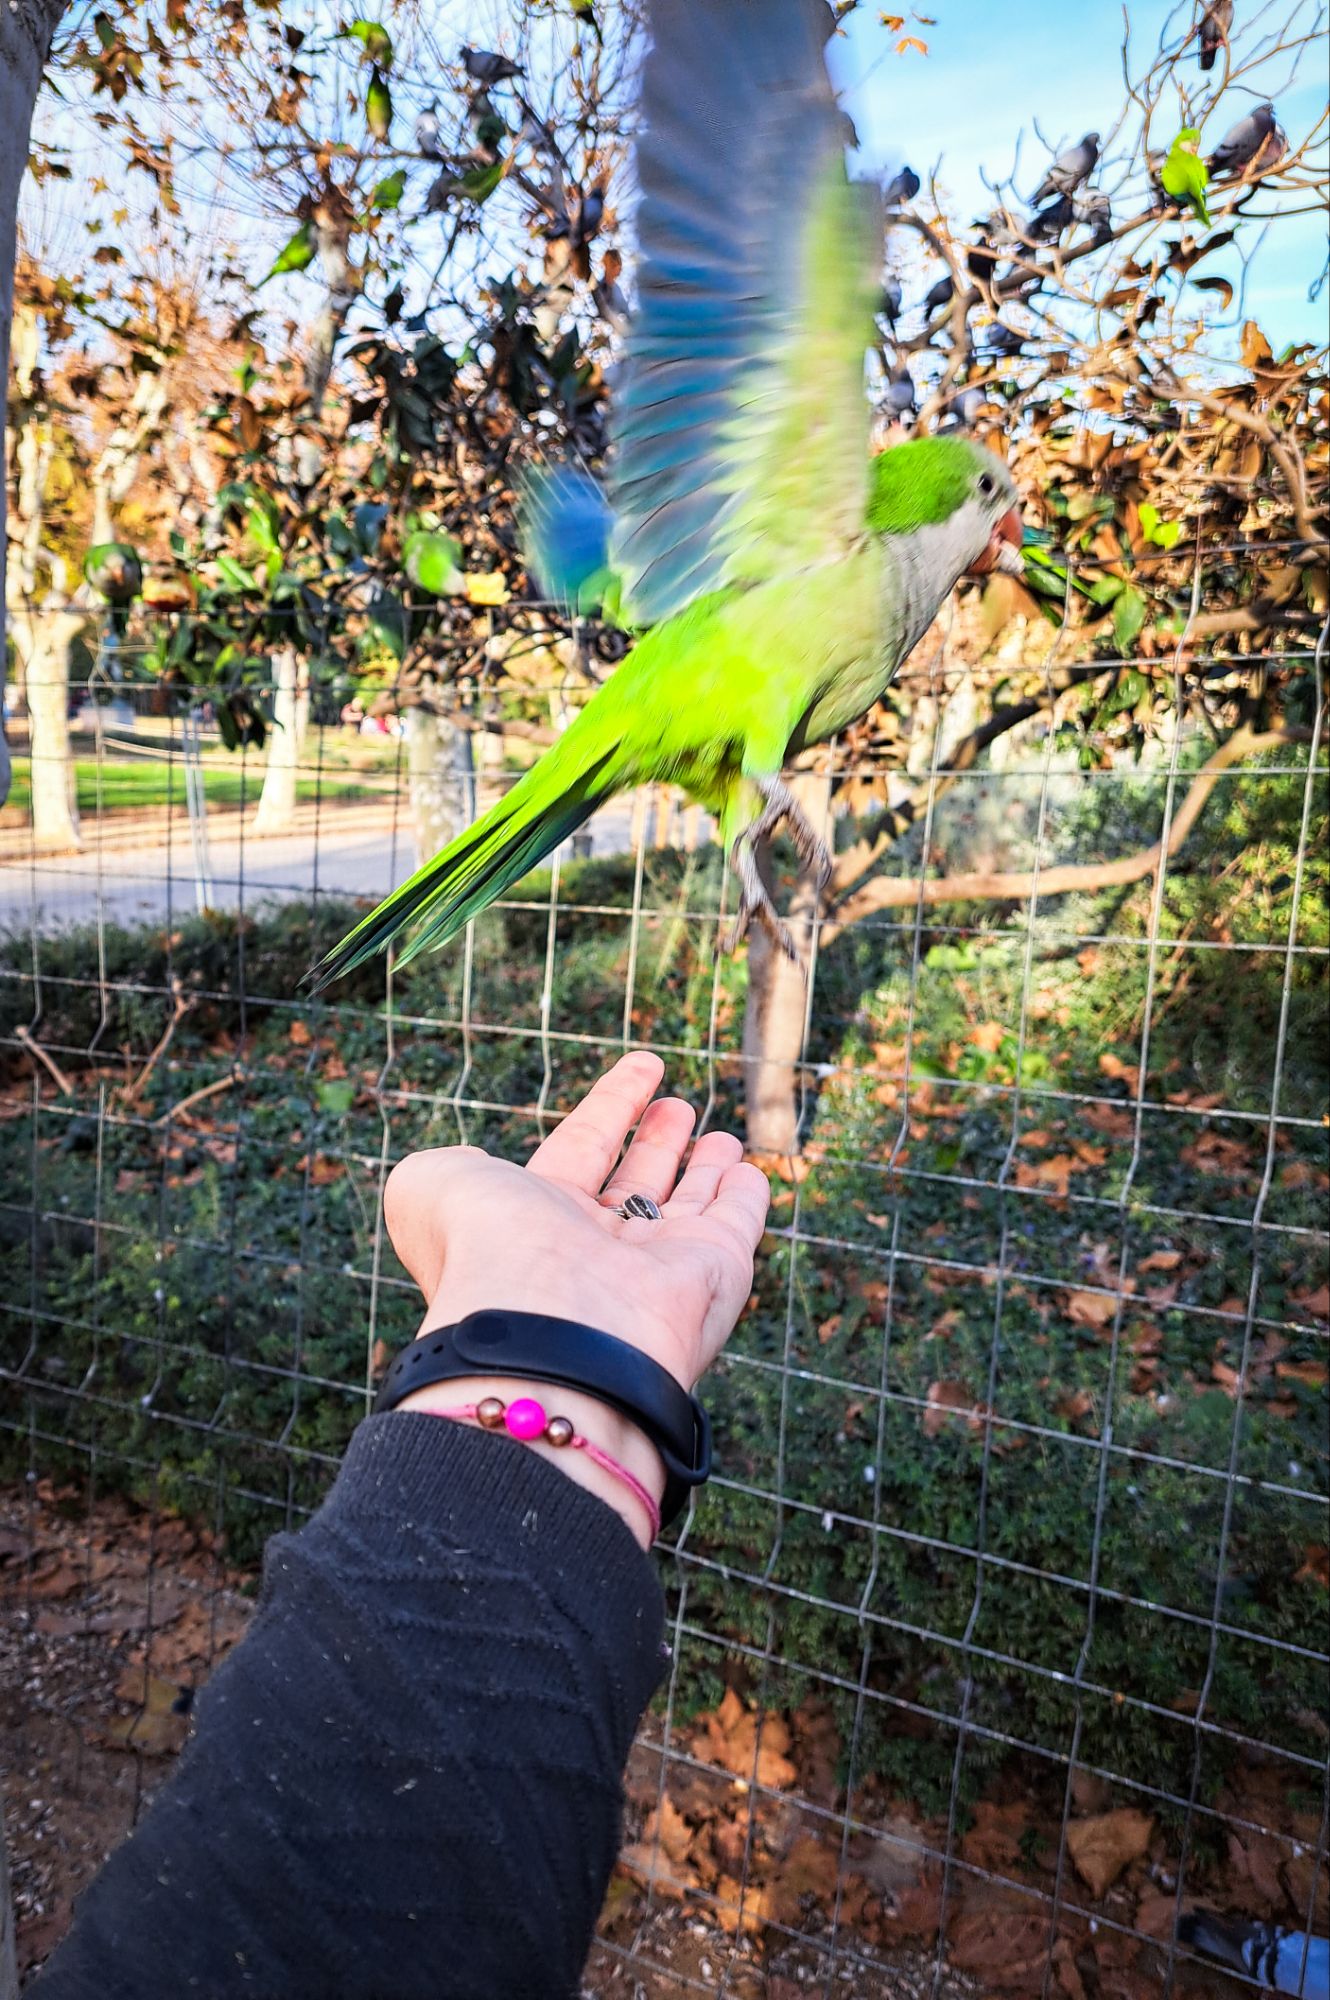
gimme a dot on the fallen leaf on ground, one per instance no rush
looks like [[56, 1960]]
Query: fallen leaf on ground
[[945, 1397], [1103, 1846], [1160, 1260], [1120, 1072], [161, 1723], [1094, 1309]]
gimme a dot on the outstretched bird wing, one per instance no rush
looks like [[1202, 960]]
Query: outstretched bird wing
[[742, 427]]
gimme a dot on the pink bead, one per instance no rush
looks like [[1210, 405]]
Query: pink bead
[[525, 1418]]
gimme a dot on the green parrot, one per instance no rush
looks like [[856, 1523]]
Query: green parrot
[[378, 104], [777, 571], [296, 254]]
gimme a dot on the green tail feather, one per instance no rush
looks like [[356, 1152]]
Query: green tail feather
[[471, 872]]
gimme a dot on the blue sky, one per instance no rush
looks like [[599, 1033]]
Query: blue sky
[[991, 70]]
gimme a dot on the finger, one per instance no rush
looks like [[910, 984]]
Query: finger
[[651, 1164], [741, 1203], [713, 1154], [582, 1150]]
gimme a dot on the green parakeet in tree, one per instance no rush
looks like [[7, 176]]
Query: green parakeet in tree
[[296, 254], [378, 104], [778, 573]]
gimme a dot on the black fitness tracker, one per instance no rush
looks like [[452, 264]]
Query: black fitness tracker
[[543, 1349]]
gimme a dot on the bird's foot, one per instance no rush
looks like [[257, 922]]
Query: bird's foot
[[755, 898], [770, 919], [782, 805]]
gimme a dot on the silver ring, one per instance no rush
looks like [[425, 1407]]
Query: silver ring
[[638, 1208]]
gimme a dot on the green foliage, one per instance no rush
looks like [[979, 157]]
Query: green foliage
[[196, 1298]]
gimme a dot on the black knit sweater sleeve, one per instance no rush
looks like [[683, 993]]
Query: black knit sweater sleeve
[[407, 1778]]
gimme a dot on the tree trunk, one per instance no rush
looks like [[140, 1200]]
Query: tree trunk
[[776, 1013], [45, 637], [26, 27], [441, 779], [277, 801]]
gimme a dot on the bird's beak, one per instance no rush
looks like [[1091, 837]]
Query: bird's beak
[[1003, 550]]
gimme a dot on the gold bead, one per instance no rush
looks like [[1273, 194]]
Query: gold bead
[[558, 1431], [489, 1414]]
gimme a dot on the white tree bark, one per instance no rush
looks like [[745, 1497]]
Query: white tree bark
[[440, 779], [277, 801], [776, 1011], [26, 28]]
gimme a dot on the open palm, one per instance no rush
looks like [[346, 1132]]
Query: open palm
[[480, 1234]]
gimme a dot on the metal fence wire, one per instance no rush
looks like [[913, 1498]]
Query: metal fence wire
[[998, 1641]]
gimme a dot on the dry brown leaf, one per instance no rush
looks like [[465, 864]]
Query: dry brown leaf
[[1094, 1309], [1313, 1373], [1316, 1303], [1103, 1846], [945, 1398], [1160, 1260], [1054, 1172], [988, 1036], [300, 1034], [160, 1724], [1118, 1071]]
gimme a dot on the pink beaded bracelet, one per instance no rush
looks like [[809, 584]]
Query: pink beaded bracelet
[[525, 1419]]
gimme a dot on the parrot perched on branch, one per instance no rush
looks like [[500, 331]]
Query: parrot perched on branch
[[777, 571]]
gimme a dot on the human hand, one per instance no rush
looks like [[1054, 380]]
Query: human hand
[[478, 1233]]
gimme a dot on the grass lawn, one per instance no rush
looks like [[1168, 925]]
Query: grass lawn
[[142, 784]]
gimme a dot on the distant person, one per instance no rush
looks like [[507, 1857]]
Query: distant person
[[406, 1780]]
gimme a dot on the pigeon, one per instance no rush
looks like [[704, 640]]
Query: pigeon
[[965, 408], [1069, 169], [903, 187], [1286, 1961], [485, 67], [981, 260], [1094, 210], [890, 305], [940, 295], [899, 398], [429, 140], [1050, 222], [1002, 339], [1216, 26], [1252, 138]]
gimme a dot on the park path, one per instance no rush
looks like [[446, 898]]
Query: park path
[[145, 873]]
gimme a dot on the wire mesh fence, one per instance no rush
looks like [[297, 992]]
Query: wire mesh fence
[[998, 1640]]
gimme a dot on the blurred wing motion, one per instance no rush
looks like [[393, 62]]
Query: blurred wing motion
[[742, 427], [741, 441]]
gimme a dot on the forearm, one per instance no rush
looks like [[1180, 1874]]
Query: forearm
[[407, 1779]]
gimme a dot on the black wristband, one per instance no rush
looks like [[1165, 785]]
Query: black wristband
[[573, 1356]]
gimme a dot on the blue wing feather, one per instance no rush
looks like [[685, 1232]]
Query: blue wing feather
[[565, 524]]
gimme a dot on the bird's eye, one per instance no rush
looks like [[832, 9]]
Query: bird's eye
[[986, 483]]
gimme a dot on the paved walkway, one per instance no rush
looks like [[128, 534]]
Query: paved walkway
[[147, 873]]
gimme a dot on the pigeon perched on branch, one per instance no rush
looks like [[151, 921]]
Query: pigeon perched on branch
[[1069, 169], [1051, 222], [1216, 26], [429, 139], [485, 67], [1095, 211], [892, 298], [1254, 140], [940, 294], [776, 571], [903, 187]]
